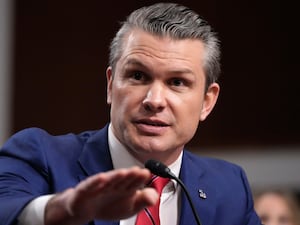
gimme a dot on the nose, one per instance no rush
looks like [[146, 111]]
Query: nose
[[155, 99]]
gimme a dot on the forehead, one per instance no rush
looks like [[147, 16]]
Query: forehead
[[146, 46]]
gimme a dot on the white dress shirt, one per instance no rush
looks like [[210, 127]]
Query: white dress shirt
[[33, 213]]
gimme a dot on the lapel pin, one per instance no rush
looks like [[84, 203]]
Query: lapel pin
[[202, 194]]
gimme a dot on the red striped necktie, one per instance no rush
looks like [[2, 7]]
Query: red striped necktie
[[150, 215]]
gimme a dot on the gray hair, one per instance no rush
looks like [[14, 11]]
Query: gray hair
[[177, 22]]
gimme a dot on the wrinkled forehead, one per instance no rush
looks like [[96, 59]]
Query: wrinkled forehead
[[141, 42]]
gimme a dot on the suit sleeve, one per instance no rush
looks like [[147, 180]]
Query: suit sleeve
[[23, 173]]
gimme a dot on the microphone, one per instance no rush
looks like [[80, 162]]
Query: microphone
[[162, 170]]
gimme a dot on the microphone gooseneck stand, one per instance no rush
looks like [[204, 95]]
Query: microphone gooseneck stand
[[162, 170]]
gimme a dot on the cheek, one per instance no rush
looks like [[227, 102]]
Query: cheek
[[192, 120], [123, 100], [188, 115], [191, 108]]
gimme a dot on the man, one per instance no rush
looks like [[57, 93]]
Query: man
[[164, 64]]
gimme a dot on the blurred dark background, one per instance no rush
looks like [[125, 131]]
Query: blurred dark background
[[61, 52]]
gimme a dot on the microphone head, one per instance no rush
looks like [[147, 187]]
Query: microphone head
[[158, 168]]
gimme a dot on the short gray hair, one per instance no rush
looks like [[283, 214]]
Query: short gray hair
[[177, 22]]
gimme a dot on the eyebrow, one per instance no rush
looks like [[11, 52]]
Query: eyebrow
[[135, 62]]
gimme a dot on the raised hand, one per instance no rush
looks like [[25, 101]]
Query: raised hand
[[112, 195]]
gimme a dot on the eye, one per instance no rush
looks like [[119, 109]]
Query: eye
[[137, 75], [177, 82]]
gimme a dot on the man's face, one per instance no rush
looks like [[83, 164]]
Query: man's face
[[157, 95]]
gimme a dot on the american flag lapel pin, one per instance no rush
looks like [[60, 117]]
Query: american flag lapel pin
[[202, 194]]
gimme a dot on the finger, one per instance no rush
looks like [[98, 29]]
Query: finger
[[145, 198], [94, 184], [135, 178], [115, 180], [125, 179]]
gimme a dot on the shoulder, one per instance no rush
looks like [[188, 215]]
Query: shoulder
[[215, 169], [37, 148], [35, 136], [35, 143], [210, 163]]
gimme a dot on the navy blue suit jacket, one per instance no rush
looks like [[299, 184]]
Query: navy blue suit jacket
[[35, 163]]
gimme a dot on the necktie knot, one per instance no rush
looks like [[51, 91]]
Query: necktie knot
[[158, 183]]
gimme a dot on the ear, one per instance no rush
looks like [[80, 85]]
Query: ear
[[210, 100], [109, 78]]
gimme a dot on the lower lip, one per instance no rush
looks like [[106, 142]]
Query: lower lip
[[151, 130]]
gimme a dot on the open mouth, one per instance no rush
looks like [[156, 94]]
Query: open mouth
[[155, 123], [152, 127]]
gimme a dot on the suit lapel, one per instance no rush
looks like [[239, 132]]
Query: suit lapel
[[95, 156], [194, 178]]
